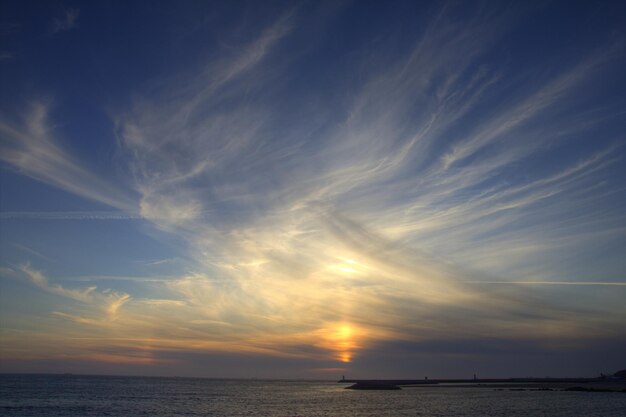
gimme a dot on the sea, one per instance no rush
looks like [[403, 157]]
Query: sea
[[84, 396]]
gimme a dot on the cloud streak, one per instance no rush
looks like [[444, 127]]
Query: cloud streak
[[107, 300], [66, 22], [37, 278], [68, 215]]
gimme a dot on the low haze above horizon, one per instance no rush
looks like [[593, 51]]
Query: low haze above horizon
[[286, 189]]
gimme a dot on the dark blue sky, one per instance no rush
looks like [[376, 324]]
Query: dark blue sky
[[288, 189]]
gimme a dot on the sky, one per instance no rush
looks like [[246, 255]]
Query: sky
[[313, 189]]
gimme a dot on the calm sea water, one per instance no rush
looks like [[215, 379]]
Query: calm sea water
[[48, 395]]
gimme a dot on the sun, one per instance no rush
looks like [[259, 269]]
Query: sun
[[345, 343], [341, 340], [345, 332]]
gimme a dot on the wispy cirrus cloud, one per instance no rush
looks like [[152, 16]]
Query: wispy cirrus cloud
[[335, 221], [31, 147], [107, 300], [66, 22], [37, 278], [195, 139]]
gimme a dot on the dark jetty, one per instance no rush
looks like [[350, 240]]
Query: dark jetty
[[593, 389], [476, 381], [605, 383], [372, 385], [620, 374]]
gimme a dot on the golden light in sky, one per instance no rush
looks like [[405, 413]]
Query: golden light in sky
[[341, 339], [345, 343], [348, 266]]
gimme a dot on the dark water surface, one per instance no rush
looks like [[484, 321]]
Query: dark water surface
[[73, 395]]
